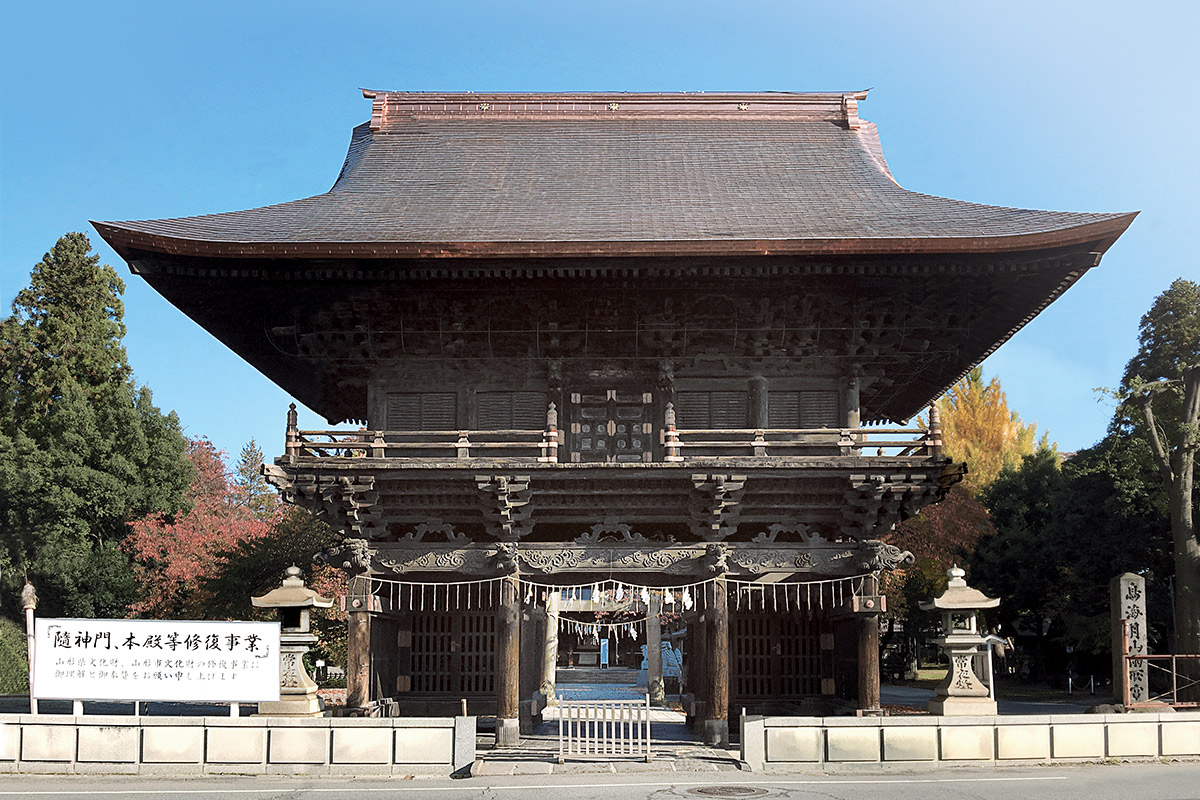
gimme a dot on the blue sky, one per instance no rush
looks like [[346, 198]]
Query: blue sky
[[123, 110]]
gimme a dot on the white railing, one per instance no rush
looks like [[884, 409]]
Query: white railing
[[604, 729]]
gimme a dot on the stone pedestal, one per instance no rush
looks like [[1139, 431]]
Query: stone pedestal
[[961, 694], [550, 649], [297, 691], [654, 664]]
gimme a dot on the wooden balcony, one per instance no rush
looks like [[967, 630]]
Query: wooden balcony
[[675, 446]]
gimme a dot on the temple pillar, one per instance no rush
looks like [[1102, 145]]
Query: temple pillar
[[358, 658], [697, 669], [853, 413], [508, 665], [550, 649], [867, 608], [654, 667], [758, 402], [868, 664], [716, 711]]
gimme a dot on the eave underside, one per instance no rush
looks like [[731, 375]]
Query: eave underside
[[321, 328]]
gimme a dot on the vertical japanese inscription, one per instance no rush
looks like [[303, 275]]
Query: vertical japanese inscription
[[1127, 595]]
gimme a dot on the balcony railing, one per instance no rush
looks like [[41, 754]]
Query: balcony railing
[[676, 445]]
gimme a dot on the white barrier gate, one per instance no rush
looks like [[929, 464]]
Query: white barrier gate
[[604, 729]]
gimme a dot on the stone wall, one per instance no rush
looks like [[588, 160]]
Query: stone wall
[[791, 742], [243, 745]]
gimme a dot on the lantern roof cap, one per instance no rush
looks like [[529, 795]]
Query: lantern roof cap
[[292, 593], [959, 596]]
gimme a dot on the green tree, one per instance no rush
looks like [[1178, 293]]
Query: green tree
[[1061, 534], [83, 449], [248, 478], [1160, 395]]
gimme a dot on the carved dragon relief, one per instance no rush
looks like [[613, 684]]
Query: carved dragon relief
[[351, 555], [876, 555], [694, 560], [612, 530], [435, 526]]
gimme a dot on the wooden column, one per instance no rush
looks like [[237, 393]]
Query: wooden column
[[868, 648], [716, 712], [697, 668], [654, 667], [853, 414], [358, 658], [758, 402], [508, 665], [868, 664]]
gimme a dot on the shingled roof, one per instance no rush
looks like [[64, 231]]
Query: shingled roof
[[499, 175]]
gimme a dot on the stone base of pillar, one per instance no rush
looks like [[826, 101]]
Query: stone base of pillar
[[303, 706], [508, 732], [716, 732], [658, 692], [963, 706]]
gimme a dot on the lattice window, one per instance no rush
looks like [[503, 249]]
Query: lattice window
[[752, 655], [776, 655], [514, 411], [454, 652], [477, 671], [800, 656], [422, 411], [803, 409], [724, 409], [431, 652], [615, 426]]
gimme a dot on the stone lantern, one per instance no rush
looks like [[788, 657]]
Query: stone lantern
[[961, 693], [297, 691]]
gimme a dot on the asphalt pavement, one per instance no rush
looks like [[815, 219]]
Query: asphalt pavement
[[1143, 781]]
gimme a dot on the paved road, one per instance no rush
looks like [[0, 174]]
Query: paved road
[[1178, 781]]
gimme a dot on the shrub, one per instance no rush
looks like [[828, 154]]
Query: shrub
[[14, 666]]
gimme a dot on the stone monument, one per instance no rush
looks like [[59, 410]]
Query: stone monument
[[961, 693], [297, 691], [1127, 599]]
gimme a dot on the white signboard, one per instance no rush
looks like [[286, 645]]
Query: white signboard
[[150, 659]]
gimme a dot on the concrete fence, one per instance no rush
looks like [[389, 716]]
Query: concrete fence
[[792, 742], [242, 745]]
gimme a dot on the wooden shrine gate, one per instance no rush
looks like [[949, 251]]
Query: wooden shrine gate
[[602, 729]]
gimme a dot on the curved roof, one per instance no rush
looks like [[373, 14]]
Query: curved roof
[[613, 174]]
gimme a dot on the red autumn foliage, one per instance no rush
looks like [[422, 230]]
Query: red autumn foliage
[[947, 531], [171, 559], [940, 536]]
